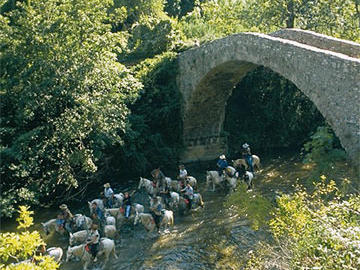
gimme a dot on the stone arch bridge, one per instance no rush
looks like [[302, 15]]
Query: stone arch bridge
[[325, 69]]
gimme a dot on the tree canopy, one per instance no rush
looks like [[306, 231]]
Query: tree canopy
[[63, 95]]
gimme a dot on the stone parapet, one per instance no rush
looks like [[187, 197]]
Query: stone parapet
[[320, 41]]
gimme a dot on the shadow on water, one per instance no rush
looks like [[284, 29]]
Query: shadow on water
[[211, 238]]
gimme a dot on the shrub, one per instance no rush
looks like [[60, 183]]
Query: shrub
[[324, 148], [320, 229], [17, 247]]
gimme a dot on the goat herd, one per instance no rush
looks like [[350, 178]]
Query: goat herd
[[114, 217]]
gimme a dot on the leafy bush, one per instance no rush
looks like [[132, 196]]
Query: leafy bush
[[179, 8], [18, 247], [320, 229], [324, 148]]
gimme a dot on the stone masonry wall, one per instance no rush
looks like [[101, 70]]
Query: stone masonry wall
[[207, 75]]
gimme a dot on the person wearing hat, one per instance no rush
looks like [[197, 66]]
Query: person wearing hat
[[109, 195], [221, 164], [93, 240], [68, 217], [246, 153], [182, 175]]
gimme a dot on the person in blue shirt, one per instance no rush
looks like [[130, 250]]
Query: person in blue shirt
[[221, 164], [60, 221]]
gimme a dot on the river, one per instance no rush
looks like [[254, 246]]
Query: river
[[215, 237]]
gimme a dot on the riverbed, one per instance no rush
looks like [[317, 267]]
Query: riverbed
[[215, 237]]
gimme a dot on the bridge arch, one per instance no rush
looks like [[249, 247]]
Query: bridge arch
[[325, 69]]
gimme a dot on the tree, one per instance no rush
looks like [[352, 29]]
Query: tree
[[150, 30], [213, 19], [179, 8], [217, 18], [18, 250], [335, 18], [153, 138], [63, 97], [357, 8]]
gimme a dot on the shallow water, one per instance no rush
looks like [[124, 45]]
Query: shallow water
[[209, 238], [206, 238]]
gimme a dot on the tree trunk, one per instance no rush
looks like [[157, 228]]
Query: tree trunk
[[357, 4], [290, 21]]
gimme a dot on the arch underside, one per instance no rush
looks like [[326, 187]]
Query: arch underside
[[207, 105]]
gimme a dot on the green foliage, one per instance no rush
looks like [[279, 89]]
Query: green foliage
[[323, 146], [137, 10], [149, 29], [18, 247], [323, 149], [213, 19], [269, 112], [63, 96], [320, 229], [152, 36], [173, 8], [253, 205], [179, 8], [218, 18], [337, 18], [153, 137]]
